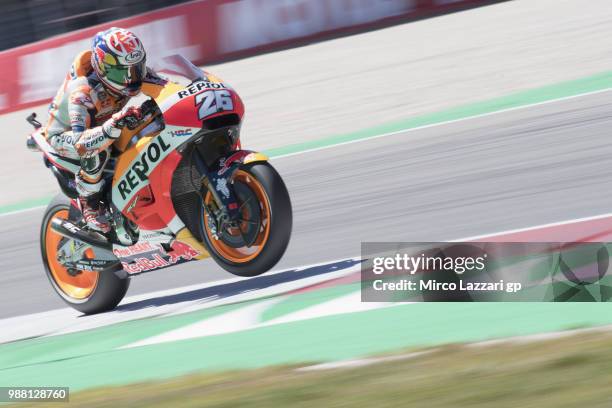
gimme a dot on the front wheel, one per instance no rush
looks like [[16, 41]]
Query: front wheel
[[261, 237], [86, 291]]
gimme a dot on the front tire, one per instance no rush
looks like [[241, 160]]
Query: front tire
[[88, 292], [275, 219]]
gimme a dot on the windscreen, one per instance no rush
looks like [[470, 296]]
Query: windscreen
[[178, 66]]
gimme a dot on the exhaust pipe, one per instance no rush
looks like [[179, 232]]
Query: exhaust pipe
[[69, 230], [97, 241]]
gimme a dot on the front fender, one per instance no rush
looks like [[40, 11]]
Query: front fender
[[239, 158], [253, 157], [219, 180]]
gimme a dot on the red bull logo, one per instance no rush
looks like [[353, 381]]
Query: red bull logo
[[180, 250]]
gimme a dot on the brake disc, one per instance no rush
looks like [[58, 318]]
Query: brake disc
[[244, 231]]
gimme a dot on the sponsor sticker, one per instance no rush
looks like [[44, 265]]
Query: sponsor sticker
[[134, 56], [200, 86], [181, 252], [141, 167], [181, 133], [137, 249]]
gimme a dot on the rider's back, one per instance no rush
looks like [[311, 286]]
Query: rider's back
[[81, 91]]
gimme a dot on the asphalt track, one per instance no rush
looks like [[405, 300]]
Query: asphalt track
[[293, 96], [524, 167]]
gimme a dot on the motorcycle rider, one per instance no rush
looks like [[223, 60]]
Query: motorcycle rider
[[87, 114]]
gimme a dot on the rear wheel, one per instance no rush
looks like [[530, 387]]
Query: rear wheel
[[261, 237], [86, 291]]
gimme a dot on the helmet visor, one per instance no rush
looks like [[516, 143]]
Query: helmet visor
[[126, 76]]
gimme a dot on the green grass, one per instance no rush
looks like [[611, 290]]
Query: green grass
[[574, 371]]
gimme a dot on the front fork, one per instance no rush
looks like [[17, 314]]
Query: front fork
[[220, 187], [219, 183]]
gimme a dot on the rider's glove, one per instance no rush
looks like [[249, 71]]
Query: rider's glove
[[130, 118]]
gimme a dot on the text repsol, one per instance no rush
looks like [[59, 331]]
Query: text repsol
[[199, 86], [139, 170]]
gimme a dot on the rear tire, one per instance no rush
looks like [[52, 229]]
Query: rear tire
[[279, 230], [92, 293]]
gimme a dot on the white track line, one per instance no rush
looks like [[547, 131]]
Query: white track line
[[67, 320], [536, 227], [565, 98], [250, 317], [18, 323], [482, 115], [23, 210], [36, 316], [362, 362]]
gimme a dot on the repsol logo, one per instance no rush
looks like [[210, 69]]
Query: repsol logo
[[199, 86], [98, 140], [141, 167]]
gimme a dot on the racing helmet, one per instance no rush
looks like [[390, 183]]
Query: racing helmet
[[119, 59]]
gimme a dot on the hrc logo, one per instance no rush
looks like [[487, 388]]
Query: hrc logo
[[181, 133]]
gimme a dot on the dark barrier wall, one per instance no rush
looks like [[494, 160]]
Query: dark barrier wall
[[23, 22], [204, 31]]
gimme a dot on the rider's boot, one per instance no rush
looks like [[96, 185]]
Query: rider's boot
[[94, 215], [89, 185]]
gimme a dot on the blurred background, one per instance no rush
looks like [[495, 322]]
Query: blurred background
[[23, 22], [390, 121]]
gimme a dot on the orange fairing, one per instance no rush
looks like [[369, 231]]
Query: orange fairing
[[160, 92], [126, 136], [125, 160], [151, 207], [213, 78], [158, 212]]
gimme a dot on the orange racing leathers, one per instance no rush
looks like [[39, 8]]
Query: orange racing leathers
[[85, 119]]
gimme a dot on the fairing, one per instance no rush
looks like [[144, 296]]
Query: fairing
[[143, 177], [148, 157]]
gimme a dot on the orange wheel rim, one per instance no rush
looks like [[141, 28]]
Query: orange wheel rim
[[244, 254], [80, 286]]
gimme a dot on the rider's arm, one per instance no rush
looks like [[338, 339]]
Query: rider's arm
[[88, 140], [99, 138]]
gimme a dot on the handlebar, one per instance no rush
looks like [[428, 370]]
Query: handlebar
[[149, 107], [32, 121]]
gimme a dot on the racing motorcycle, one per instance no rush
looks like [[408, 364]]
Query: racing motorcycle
[[179, 188]]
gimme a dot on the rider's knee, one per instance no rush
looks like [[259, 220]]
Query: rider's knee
[[87, 187], [89, 180]]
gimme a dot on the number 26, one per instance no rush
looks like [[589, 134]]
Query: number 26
[[211, 102]]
